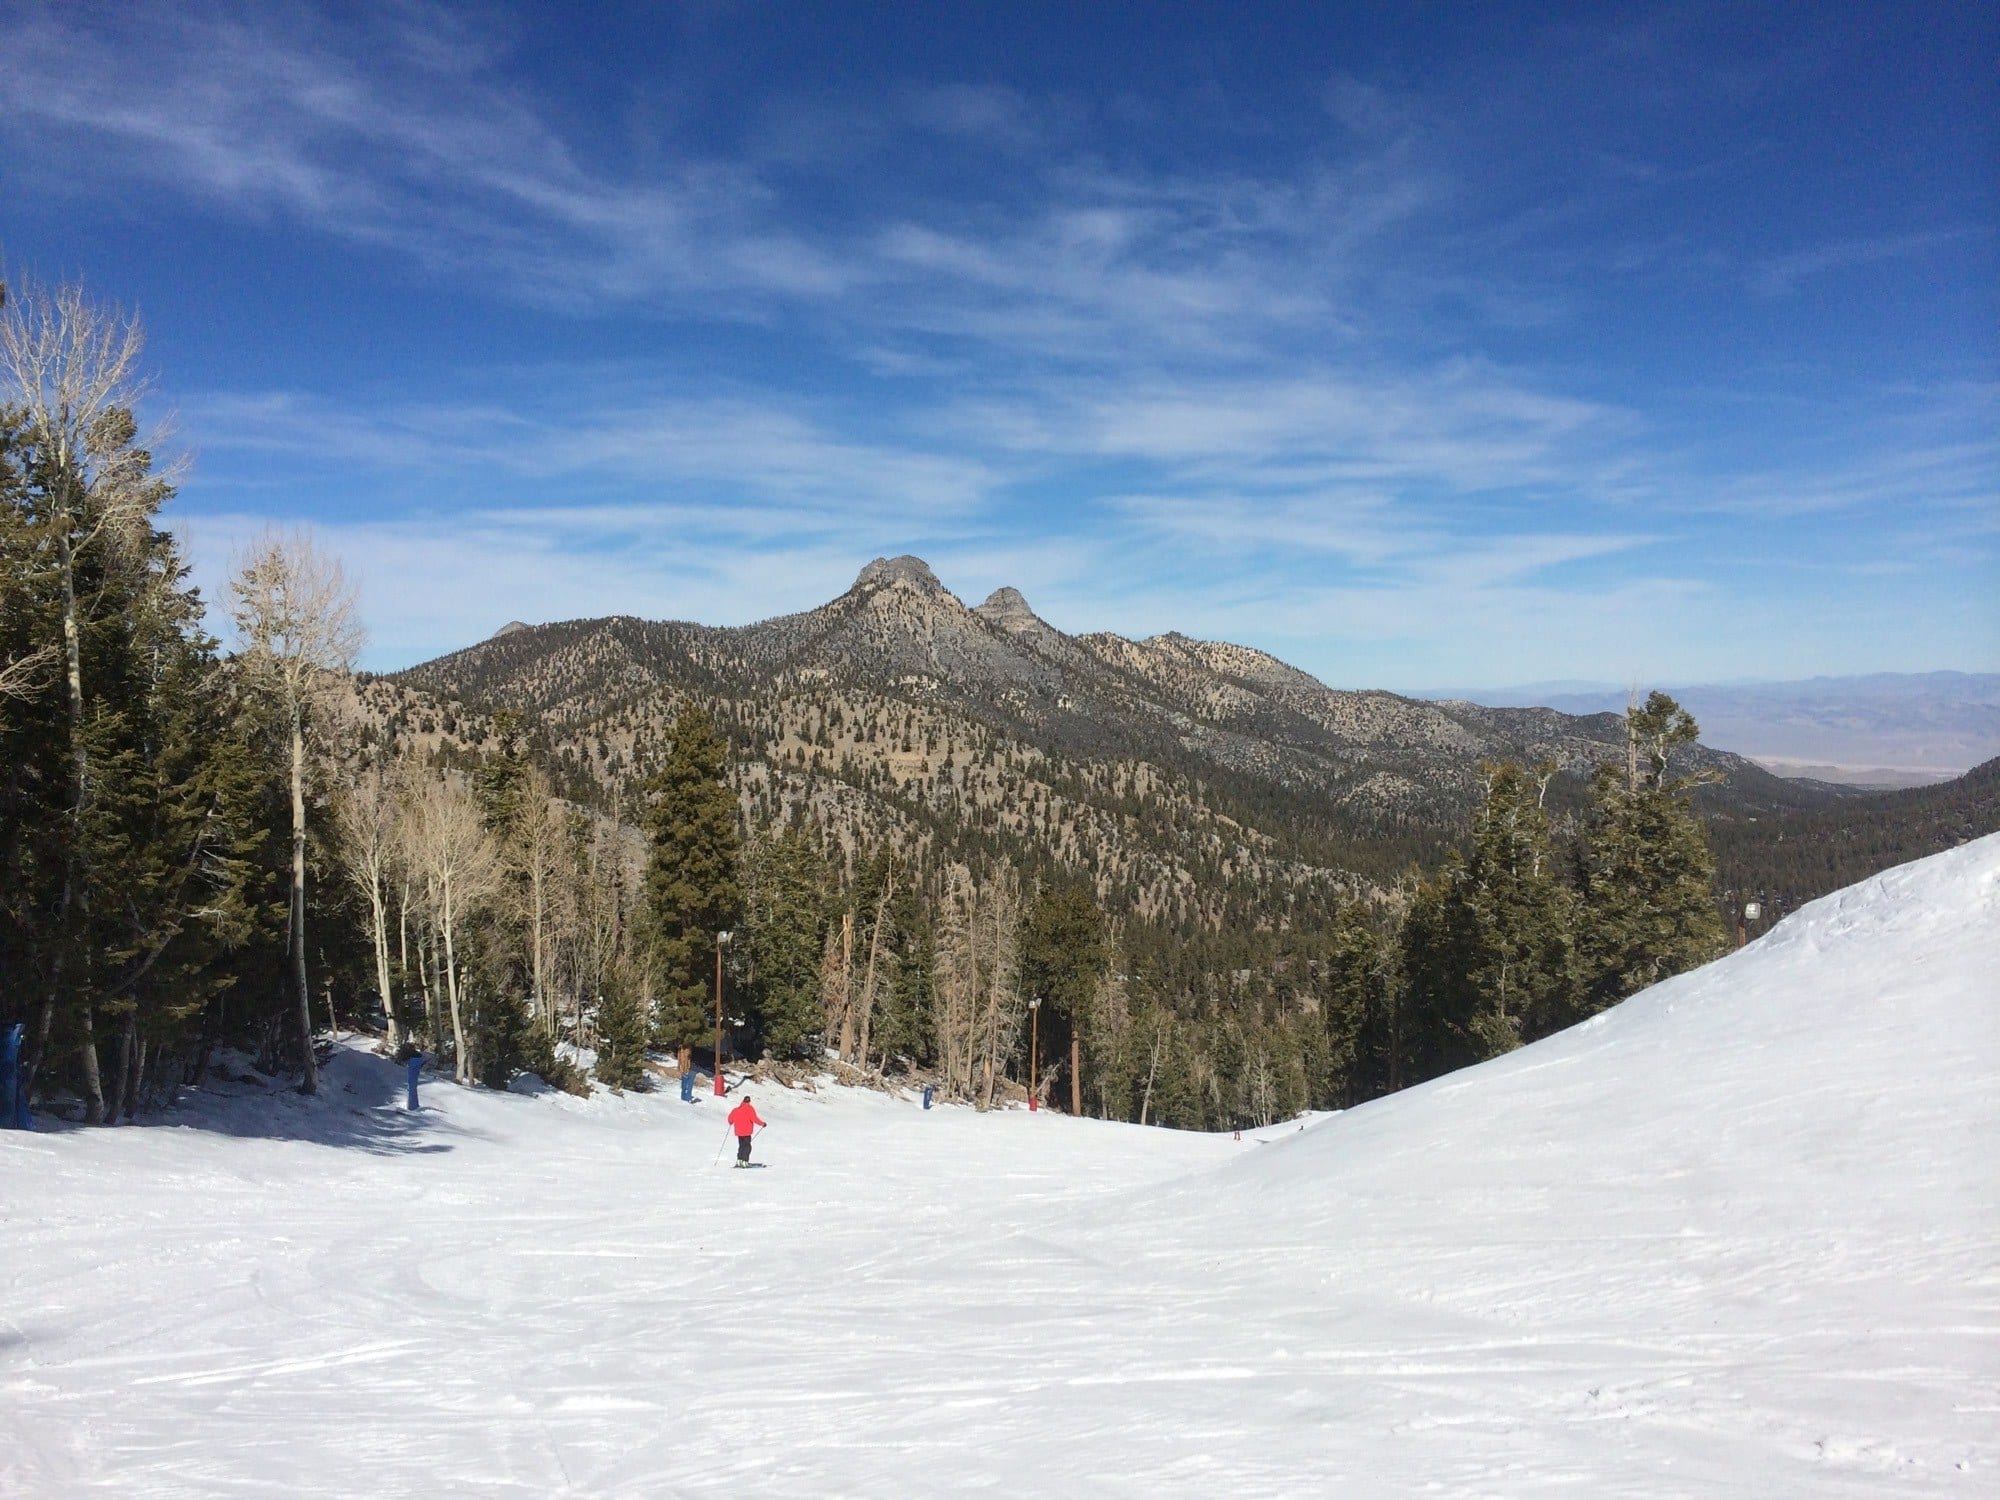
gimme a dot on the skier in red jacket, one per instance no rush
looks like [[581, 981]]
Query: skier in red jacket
[[743, 1120]]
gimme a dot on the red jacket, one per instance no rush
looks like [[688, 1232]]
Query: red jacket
[[744, 1118]]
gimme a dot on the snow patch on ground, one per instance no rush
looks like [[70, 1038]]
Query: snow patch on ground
[[1737, 1237]]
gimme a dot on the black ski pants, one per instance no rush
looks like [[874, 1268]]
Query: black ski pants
[[742, 1150]]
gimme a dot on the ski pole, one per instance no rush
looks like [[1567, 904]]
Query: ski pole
[[726, 1133]]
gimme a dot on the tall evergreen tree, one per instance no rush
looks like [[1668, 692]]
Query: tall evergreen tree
[[693, 889], [129, 811], [86, 494], [1648, 908], [1354, 993], [175, 829], [904, 1024], [622, 1033], [784, 929], [508, 1035], [1437, 953], [1487, 944], [1520, 914], [1062, 963]]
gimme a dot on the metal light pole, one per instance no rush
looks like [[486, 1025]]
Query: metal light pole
[[1034, 1045], [721, 942]]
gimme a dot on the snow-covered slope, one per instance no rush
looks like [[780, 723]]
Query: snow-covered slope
[[1737, 1237]]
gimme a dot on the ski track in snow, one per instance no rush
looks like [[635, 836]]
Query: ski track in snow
[[1739, 1237]]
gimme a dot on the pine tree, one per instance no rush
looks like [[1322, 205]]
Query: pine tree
[[83, 493], [1062, 962], [622, 1032], [132, 817], [784, 930], [175, 823], [904, 1024], [1646, 873], [1354, 990], [693, 889], [1437, 956], [1520, 914], [1487, 944]]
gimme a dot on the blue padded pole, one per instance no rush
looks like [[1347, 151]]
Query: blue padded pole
[[13, 1097]]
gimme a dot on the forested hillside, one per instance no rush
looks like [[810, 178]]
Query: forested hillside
[[1196, 781], [1789, 858]]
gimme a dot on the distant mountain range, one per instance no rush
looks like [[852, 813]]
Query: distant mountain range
[[1193, 779], [1884, 729]]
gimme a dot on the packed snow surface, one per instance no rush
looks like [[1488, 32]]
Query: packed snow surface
[[1738, 1237]]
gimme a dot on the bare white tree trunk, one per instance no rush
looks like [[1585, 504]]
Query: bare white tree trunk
[[365, 818], [846, 995], [957, 980], [309, 1084], [447, 923], [1003, 1008], [1152, 1071], [295, 614], [461, 865], [866, 1004]]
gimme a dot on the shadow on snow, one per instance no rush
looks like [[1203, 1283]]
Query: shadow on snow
[[359, 1106]]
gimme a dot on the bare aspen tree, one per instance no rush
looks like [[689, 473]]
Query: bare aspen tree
[[536, 850], [549, 856], [405, 900], [601, 927], [1114, 1011], [365, 818], [297, 622], [957, 985], [1263, 1089], [1003, 1005], [979, 1008], [1161, 1027], [837, 985], [70, 368], [573, 960], [563, 944], [460, 865], [865, 1005]]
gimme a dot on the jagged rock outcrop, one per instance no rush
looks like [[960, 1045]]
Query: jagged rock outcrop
[[901, 572], [1007, 609]]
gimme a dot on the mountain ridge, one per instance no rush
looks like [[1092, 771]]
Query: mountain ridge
[[895, 710]]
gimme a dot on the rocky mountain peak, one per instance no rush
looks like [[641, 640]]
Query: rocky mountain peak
[[510, 628], [1007, 609], [909, 572]]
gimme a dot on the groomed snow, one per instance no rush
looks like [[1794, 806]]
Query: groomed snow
[[1739, 1237]]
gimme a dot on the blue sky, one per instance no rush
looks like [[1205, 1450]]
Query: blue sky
[[1425, 345]]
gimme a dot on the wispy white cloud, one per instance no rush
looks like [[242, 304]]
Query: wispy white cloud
[[393, 128], [721, 448], [1777, 275], [1460, 426], [401, 127], [1349, 376]]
